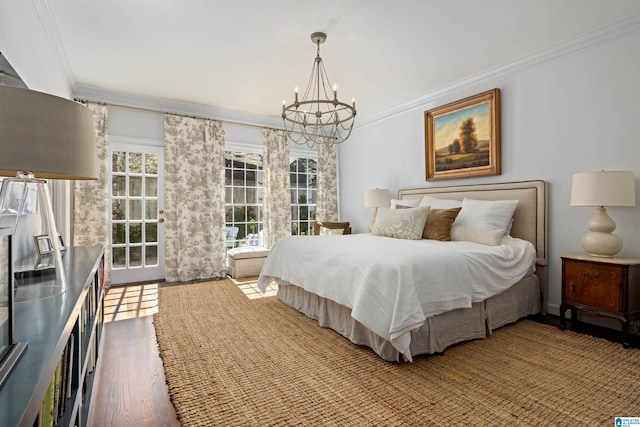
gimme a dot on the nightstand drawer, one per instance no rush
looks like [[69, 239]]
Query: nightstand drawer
[[595, 285]]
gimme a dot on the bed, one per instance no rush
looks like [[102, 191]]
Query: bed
[[375, 296]]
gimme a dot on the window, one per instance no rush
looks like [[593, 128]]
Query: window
[[243, 198], [304, 192]]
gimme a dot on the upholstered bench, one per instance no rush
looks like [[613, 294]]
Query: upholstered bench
[[246, 261]]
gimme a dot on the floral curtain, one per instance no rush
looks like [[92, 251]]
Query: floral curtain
[[91, 198], [194, 199], [327, 203], [277, 194]]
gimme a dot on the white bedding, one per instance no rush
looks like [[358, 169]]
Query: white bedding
[[393, 285]]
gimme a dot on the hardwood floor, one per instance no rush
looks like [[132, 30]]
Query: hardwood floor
[[131, 388]]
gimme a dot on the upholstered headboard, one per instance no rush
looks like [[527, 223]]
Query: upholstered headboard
[[529, 219]]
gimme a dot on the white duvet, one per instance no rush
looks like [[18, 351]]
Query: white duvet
[[393, 285]]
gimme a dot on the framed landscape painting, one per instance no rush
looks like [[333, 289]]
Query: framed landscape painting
[[462, 139]]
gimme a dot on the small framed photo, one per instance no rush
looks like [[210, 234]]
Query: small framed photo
[[43, 244], [61, 243]]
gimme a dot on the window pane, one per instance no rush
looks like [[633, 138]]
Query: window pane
[[227, 177], [229, 216], [135, 256], [118, 210], [135, 209], [294, 196], [119, 257], [151, 209], [118, 160], [119, 186], [135, 162], [135, 186], [151, 164], [238, 195], [118, 234], [135, 233], [151, 186], [151, 255], [252, 195], [151, 232]]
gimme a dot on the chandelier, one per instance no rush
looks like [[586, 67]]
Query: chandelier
[[319, 117]]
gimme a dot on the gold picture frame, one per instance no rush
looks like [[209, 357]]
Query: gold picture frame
[[462, 139]]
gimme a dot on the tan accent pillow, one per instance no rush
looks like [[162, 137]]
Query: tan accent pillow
[[438, 225], [477, 235], [319, 225]]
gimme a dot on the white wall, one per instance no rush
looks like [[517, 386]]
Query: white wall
[[578, 112]]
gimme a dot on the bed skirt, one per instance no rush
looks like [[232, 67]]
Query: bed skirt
[[437, 333]]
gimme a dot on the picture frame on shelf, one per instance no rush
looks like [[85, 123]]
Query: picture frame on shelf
[[43, 244], [61, 243], [462, 138]]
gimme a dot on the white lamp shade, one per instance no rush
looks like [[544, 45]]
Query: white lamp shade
[[603, 188], [50, 136], [377, 198]]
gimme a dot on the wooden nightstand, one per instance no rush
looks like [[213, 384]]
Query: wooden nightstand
[[601, 286]]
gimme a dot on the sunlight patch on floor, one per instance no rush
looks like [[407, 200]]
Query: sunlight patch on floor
[[249, 287], [128, 302]]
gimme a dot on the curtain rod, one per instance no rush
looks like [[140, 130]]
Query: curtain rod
[[175, 114]]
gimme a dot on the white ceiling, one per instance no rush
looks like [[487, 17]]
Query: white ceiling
[[248, 55]]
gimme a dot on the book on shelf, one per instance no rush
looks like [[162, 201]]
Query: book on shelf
[[47, 406], [70, 371], [57, 391]]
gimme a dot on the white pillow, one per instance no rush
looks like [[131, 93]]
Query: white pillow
[[325, 231], [436, 203], [412, 203], [486, 214], [401, 223]]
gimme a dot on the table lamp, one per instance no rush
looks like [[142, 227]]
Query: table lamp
[[41, 136], [376, 198], [602, 189]]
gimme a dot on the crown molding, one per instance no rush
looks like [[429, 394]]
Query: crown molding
[[50, 29], [614, 31]]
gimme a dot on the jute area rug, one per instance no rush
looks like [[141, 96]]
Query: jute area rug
[[234, 361]]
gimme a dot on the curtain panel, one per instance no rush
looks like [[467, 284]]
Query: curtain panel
[[277, 194], [91, 197], [327, 202], [194, 199]]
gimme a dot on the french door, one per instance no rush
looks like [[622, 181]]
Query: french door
[[137, 202]]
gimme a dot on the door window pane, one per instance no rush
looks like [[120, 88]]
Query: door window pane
[[135, 162], [151, 164], [150, 255], [135, 233], [135, 186], [135, 256], [151, 186], [151, 209], [119, 161], [151, 232], [119, 257], [135, 209]]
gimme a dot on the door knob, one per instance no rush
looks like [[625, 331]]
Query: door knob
[[161, 220], [161, 211]]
